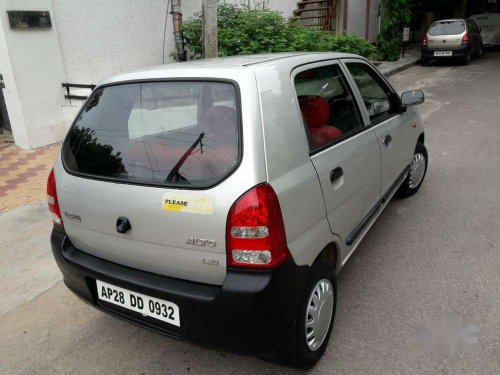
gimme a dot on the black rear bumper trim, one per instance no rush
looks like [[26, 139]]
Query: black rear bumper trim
[[253, 312]]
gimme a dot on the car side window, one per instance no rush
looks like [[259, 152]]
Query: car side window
[[327, 105], [377, 96], [473, 27], [470, 26]]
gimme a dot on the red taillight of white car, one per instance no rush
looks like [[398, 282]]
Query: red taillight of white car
[[466, 39], [52, 200], [425, 41], [256, 236]]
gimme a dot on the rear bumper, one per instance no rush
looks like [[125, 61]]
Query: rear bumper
[[252, 312], [461, 52]]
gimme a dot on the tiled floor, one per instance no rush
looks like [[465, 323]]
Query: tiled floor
[[23, 173]]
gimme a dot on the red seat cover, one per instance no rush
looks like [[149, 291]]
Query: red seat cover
[[325, 134], [316, 112]]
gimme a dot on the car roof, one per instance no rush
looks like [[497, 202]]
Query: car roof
[[233, 62], [451, 20]]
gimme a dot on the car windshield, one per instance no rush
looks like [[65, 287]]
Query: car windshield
[[447, 28], [165, 133]]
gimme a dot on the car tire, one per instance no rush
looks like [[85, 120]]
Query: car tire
[[467, 59], [425, 62], [481, 52], [410, 186], [321, 280]]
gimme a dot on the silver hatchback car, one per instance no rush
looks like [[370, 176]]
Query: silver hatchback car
[[452, 39], [216, 201]]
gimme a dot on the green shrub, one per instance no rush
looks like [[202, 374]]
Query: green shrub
[[248, 31], [396, 16]]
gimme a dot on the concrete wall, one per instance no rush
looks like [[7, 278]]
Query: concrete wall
[[356, 18], [33, 71], [101, 38], [284, 6], [374, 20]]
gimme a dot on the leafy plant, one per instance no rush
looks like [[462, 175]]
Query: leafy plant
[[247, 31], [396, 15]]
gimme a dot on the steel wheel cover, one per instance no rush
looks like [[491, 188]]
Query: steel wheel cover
[[319, 314], [417, 170]]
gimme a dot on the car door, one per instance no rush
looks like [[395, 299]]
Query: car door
[[391, 126], [344, 152]]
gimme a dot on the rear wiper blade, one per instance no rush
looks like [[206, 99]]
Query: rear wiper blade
[[174, 173]]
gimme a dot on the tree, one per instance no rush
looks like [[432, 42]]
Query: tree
[[395, 16], [243, 31]]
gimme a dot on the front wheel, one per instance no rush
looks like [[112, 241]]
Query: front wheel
[[416, 174], [316, 315]]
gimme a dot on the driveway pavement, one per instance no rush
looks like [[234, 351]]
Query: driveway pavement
[[433, 256], [23, 173]]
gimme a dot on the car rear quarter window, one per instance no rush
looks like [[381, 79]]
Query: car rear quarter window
[[447, 28], [472, 26], [182, 134]]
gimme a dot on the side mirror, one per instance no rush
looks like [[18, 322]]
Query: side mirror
[[411, 98]]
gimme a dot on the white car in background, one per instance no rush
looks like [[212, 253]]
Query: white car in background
[[490, 28]]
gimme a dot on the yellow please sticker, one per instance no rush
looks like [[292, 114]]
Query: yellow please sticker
[[187, 203]]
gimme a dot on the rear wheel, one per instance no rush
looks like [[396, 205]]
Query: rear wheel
[[316, 315], [467, 59], [481, 51], [416, 174], [425, 62]]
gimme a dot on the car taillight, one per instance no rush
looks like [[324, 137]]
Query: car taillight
[[255, 231], [52, 200], [425, 41], [466, 39]]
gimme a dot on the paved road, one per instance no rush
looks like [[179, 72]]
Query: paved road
[[435, 255]]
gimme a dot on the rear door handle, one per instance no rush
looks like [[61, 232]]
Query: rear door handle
[[336, 174], [387, 140]]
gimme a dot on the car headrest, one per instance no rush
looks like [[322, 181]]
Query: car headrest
[[315, 110]]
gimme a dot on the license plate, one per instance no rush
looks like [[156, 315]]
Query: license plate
[[147, 306], [443, 53]]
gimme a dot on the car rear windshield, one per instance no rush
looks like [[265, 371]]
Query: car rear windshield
[[162, 133], [447, 28]]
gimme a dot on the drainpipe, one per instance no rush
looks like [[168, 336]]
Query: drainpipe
[[178, 38], [344, 21], [367, 23], [379, 15]]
